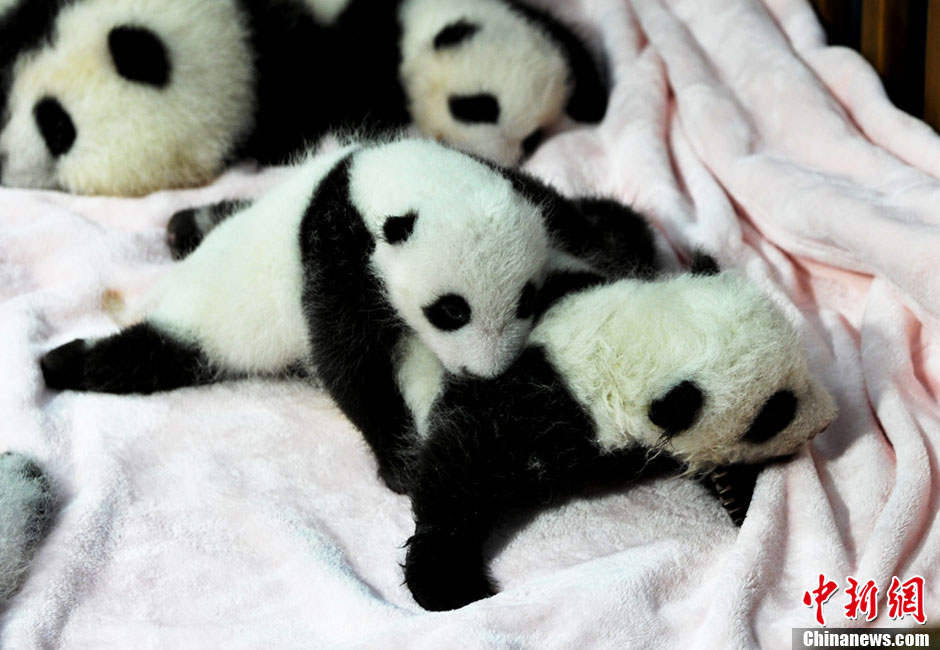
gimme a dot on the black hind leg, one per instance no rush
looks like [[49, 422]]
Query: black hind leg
[[140, 359], [187, 228]]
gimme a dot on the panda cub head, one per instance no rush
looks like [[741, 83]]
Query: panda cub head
[[121, 96], [461, 254], [491, 78]]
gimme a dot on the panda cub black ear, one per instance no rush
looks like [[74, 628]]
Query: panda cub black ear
[[454, 34], [139, 55], [398, 229]]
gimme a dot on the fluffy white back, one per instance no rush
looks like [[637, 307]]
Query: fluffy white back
[[507, 57], [474, 236], [133, 138], [238, 295], [624, 345]]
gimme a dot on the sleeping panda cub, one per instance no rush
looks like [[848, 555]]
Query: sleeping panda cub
[[355, 250], [130, 96], [617, 381], [489, 77]]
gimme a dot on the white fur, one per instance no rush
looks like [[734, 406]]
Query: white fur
[[508, 57], [623, 345], [475, 236], [133, 138], [238, 294], [420, 378], [24, 505]]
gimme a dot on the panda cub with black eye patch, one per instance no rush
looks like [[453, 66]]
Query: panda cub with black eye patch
[[332, 269], [617, 381], [490, 77], [130, 96]]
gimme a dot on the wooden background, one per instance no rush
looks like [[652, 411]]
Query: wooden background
[[901, 38]]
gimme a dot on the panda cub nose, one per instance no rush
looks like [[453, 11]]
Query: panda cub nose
[[774, 416]]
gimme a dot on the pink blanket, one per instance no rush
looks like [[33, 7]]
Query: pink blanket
[[248, 514]]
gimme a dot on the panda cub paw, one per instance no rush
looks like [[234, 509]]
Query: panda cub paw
[[444, 568], [64, 367], [26, 509], [187, 228]]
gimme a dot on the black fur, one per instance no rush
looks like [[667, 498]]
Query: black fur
[[187, 228], [678, 409], [532, 141], [703, 264], [454, 34], [139, 359], [183, 233], [482, 108], [292, 110], [398, 229], [55, 126], [559, 285], [774, 416], [527, 301], [588, 101], [139, 55], [519, 440], [617, 241], [448, 313], [353, 329]]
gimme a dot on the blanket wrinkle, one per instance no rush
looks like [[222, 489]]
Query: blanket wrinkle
[[248, 514]]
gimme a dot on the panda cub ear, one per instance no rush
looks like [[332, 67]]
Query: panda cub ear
[[139, 55], [398, 229]]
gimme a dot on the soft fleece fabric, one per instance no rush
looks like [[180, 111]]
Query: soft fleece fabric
[[248, 515]]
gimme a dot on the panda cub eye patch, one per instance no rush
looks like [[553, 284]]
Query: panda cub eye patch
[[139, 55], [532, 141], [454, 34], [55, 126], [526, 306], [474, 109], [398, 229], [775, 416], [448, 313]]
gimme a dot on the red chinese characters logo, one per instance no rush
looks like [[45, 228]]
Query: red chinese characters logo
[[907, 598], [903, 598]]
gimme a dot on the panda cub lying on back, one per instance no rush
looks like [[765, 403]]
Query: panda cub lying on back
[[356, 250], [617, 381]]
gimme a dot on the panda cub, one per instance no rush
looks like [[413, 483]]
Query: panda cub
[[490, 77], [617, 381], [130, 96], [330, 270]]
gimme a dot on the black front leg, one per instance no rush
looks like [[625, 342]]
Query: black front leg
[[140, 359], [444, 568]]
